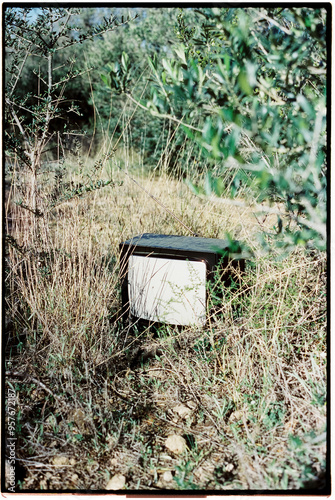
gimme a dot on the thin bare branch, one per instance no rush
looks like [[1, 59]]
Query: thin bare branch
[[262, 15]]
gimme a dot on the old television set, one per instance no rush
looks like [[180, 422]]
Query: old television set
[[165, 277]]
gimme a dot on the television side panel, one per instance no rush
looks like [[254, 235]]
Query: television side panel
[[167, 290]]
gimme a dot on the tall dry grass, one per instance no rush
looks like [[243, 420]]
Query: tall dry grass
[[254, 380]]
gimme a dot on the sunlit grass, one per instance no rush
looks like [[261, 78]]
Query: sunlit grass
[[104, 395]]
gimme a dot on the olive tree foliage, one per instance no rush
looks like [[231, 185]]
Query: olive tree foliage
[[249, 86], [152, 36], [37, 41]]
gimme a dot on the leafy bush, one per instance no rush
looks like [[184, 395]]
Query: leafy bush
[[41, 35], [258, 102]]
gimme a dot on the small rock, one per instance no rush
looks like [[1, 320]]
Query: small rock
[[167, 477], [74, 478], [175, 443], [182, 411], [116, 483], [60, 460], [156, 373], [113, 462], [78, 417], [229, 467], [236, 416], [165, 480]]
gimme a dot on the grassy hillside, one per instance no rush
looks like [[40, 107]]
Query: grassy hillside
[[97, 399]]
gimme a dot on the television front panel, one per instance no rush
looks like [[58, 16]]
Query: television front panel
[[165, 276]]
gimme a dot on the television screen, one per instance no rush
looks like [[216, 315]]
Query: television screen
[[164, 277], [167, 290]]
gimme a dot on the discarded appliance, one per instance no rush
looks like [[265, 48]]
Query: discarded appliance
[[165, 278]]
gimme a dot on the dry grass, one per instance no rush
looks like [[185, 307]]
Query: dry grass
[[252, 384]]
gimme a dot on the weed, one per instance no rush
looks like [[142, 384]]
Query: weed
[[254, 377], [184, 477]]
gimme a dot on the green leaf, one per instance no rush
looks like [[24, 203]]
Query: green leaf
[[124, 61], [197, 190], [180, 51], [153, 63], [226, 59], [306, 106], [208, 131], [243, 82], [208, 184], [105, 79]]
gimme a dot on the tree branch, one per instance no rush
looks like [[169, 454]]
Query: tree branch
[[163, 115], [18, 123], [262, 15], [19, 72]]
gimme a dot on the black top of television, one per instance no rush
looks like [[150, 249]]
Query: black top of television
[[159, 243]]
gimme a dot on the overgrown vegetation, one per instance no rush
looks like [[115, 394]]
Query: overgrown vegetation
[[254, 99], [95, 397]]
